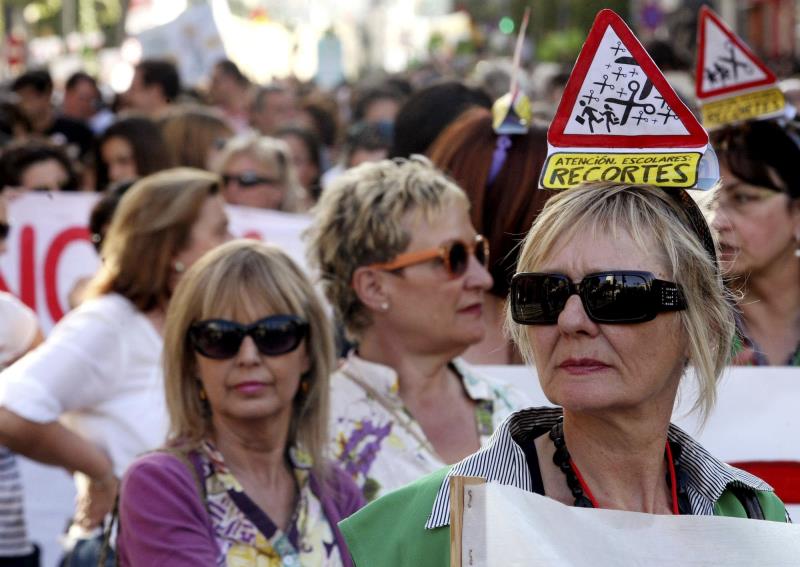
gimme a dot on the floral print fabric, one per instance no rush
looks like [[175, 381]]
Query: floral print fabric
[[245, 534], [746, 352], [379, 443]]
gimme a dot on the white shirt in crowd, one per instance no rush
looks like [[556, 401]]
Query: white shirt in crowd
[[99, 371]]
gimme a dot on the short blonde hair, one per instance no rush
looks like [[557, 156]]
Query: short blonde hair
[[246, 276], [273, 153], [154, 222], [659, 226], [359, 221]]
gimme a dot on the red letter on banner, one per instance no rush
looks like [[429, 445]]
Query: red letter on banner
[[27, 266], [60, 243]]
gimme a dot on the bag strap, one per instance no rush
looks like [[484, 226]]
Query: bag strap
[[107, 531], [749, 501], [180, 453]]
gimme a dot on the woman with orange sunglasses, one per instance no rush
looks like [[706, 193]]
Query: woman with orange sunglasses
[[407, 275]]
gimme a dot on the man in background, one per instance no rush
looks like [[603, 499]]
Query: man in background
[[34, 90], [155, 87], [274, 107]]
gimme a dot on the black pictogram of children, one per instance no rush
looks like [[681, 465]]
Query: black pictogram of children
[[727, 67], [619, 105]]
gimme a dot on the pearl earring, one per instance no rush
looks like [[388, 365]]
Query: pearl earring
[[179, 266], [385, 306]]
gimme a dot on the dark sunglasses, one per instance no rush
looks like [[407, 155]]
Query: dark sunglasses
[[249, 179], [618, 296], [273, 336], [5, 228], [455, 256]]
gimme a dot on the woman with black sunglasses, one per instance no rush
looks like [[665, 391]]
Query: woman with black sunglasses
[[407, 275], [243, 479], [258, 171], [617, 292]]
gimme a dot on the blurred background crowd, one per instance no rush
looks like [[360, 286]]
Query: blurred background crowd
[[279, 100]]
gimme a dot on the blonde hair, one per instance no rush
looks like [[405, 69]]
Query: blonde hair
[[272, 153], [152, 224], [191, 132], [359, 221], [659, 226], [246, 276]]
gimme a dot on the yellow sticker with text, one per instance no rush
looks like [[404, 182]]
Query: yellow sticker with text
[[742, 107], [674, 169]]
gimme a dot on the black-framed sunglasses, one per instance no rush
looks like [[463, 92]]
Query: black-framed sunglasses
[[455, 256], [617, 296], [5, 228], [273, 336], [249, 179]]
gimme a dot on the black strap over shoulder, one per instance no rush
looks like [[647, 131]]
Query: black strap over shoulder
[[749, 501]]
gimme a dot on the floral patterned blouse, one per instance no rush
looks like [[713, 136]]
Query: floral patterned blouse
[[375, 438], [746, 352], [245, 534]]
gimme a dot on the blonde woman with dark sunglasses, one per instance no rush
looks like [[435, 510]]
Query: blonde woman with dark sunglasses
[[407, 275]]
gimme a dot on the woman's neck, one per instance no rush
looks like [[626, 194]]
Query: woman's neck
[[773, 294], [256, 449], [770, 307], [623, 464], [420, 375]]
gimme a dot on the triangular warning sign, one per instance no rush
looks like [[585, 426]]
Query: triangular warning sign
[[616, 97], [725, 64]]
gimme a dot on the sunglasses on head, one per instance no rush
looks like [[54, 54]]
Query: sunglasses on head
[[273, 336], [618, 296], [455, 256], [5, 228], [249, 179]]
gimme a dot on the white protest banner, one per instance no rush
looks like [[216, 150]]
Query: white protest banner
[[49, 248], [619, 120], [503, 525], [731, 82]]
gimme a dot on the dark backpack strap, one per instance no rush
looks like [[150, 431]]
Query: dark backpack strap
[[107, 531], [749, 501]]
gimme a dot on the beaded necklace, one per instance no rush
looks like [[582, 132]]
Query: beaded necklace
[[580, 490]]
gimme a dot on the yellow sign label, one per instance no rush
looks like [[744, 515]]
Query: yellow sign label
[[676, 169], [742, 107]]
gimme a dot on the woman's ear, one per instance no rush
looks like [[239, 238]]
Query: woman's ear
[[369, 285]]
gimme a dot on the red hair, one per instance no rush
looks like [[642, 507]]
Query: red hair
[[505, 210]]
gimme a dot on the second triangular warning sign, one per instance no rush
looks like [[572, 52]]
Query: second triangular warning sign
[[617, 97], [732, 84], [725, 64]]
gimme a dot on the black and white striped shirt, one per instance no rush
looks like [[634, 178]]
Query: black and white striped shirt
[[503, 461]]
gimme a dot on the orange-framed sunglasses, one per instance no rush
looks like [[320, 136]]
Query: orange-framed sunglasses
[[455, 256]]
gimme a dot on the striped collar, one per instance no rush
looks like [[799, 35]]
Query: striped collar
[[503, 461]]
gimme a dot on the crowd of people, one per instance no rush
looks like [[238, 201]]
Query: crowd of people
[[240, 415]]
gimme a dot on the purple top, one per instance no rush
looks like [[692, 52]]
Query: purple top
[[163, 521]]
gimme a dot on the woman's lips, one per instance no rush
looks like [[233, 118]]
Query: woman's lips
[[583, 366], [476, 309], [250, 387]]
